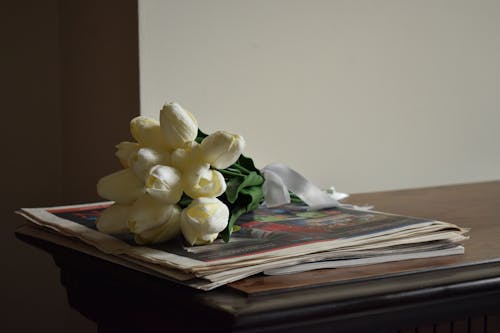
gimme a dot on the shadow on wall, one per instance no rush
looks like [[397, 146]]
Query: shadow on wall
[[70, 87], [72, 83]]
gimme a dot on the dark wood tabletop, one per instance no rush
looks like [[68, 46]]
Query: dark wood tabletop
[[458, 293]]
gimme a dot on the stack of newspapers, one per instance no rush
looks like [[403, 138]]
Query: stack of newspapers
[[282, 240]]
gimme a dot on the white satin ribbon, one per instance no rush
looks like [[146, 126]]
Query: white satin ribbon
[[279, 179]]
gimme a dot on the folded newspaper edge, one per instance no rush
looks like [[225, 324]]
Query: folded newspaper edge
[[458, 249], [268, 251]]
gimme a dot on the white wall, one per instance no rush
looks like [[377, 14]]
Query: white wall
[[363, 95]]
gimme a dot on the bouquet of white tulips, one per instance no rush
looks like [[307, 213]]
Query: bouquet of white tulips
[[176, 179]]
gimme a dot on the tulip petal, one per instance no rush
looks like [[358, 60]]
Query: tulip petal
[[125, 150], [178, 126], [182, 158], [113, 220], [201, 181], [147, 213], [163, 232], [146, 131], [146, 158], [221, 149], [122, 187], [164, 183], [203, 219]]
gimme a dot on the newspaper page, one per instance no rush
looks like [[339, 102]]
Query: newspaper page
[[268, 238]]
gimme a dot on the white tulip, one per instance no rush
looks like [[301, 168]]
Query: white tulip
[[203, 219], [164, 183], [122, 187], [113, 220], [221, 149], [181, 158], [146, 131], [201, 181], [124, 150], [144, 159], [163, 232], [148, 213], [178, 126]]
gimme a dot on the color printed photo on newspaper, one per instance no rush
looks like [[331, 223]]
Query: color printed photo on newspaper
[[264, 240]]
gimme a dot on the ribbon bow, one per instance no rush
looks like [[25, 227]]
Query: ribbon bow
[[279, 179]]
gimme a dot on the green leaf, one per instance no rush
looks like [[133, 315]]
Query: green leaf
[[200, 136], [230, 172], [184, 201], [256, 196], [247, 163], [236, 212], [295, 199], [232, 188], [236, 185]]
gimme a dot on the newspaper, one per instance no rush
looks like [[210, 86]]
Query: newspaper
[[268, 239]]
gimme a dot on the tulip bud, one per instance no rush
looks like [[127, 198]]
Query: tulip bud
[[122, 187], [164, 183], [147, 132], [203, 219], [181, 158], [201, 181], [144, 159], [147, 213], [125, 150], [221, 149], [178, 126], [163, 232], [113, 220]]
